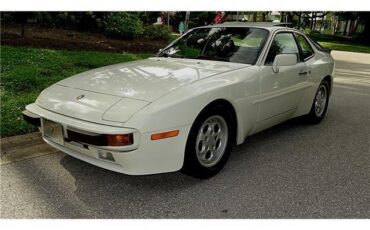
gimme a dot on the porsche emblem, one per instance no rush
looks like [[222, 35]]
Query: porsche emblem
[[51, 130], [80, 97]]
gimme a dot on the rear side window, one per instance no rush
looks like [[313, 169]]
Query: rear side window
[[283, 43], [307, 50]]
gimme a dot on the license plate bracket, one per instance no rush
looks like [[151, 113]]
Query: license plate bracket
[[52, 131]]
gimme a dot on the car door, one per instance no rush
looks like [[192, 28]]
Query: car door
[[307, 53], [281, 91], [308, 57]]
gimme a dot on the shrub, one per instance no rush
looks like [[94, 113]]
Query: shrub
[[123, 25], [157, 32], [44, 19]]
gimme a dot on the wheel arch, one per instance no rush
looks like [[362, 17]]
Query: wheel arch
[[230, 108], [329, 79]]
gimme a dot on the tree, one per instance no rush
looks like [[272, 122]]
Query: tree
[[350, 18], [123, 25], [22, 19], [263, 16], [365, 35], [150, 17], [187, 17], [254, 19]]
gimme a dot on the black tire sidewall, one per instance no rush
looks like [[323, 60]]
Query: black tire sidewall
[[312, 115], [191, 163]]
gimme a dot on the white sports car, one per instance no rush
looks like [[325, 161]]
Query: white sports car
[[185, 108]]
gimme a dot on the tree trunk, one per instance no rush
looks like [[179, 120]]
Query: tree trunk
[[284, 17], [289, 17], [254, 16], [187, 17], [365, 35], [353, 27], [168, 20], [322, 23], [345, 29], [23, 31]]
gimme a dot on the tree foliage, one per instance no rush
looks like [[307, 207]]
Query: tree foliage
[[156, 32], [130, 24], [123, 25]]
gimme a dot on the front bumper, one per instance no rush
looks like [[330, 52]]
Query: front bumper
[[143, 157]]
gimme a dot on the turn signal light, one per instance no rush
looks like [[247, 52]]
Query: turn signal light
[[120, 139], [168, 134]]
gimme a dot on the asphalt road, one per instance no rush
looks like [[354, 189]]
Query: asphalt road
[[293, 170]]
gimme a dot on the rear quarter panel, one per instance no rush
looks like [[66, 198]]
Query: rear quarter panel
[[320, 66]]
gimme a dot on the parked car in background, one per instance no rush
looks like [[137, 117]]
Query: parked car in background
[[187, 107]]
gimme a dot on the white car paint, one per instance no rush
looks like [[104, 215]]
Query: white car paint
[[162, 94], [128, 86]]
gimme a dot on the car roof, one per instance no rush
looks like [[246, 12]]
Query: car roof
[[272, 26]]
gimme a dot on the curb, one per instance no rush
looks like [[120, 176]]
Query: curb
[[17, 148]]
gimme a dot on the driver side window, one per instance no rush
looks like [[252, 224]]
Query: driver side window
[[283, 43]]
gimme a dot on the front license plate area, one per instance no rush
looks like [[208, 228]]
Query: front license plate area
[[52, 131]]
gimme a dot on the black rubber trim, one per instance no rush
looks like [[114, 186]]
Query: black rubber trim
[[32, 120], [97, 140]]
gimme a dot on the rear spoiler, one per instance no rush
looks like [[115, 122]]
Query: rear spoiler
[[326, 50], [318, 46]]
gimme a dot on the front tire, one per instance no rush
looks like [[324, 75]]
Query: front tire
[[209, 143], [320, 103]]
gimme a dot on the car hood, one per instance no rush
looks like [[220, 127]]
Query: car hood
[[148, 79], [89, 106]]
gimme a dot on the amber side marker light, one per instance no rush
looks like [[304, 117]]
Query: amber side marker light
[[158, 136], [120, 139]]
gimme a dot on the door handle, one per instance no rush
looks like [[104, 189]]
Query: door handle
[[303, 73]]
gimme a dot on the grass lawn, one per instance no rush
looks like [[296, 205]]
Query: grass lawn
[[345, 46], [339, 43], [25, 72]]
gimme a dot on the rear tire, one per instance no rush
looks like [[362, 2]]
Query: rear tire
[[320, 104], [209, 142]]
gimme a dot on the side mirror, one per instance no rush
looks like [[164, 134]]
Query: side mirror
[[283, 60]]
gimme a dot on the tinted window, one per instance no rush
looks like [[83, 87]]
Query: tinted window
[[230, 44], [283, 43], [306, 48]]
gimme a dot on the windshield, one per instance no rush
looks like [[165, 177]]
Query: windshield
[[229, 44]]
